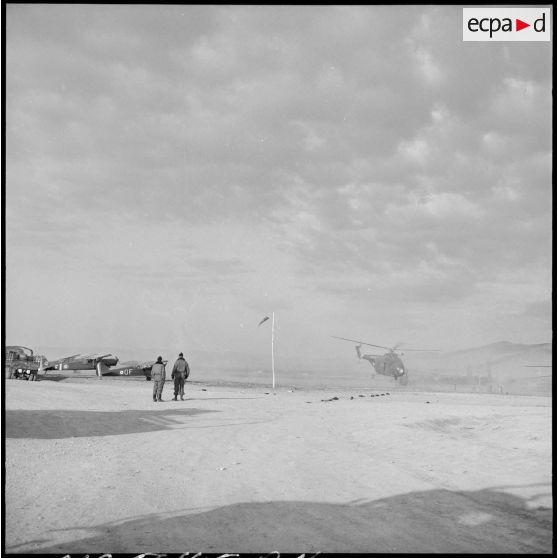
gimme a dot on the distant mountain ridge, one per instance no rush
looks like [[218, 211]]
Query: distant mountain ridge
[[501, 348], [502, 364]]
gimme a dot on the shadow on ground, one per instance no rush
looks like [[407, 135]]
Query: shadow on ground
[[68, 423], [434, 521]]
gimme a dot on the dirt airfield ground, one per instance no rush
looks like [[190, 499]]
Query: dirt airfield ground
[[95, 466]]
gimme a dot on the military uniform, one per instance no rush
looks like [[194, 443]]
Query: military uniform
[[180, 372], [158, 376]]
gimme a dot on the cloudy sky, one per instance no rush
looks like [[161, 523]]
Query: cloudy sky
[[175, 173]]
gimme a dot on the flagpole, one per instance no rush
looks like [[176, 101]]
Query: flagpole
[[272, 355]]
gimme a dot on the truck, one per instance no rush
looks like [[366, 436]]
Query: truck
[[21, 363]]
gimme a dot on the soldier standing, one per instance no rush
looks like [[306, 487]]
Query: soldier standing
[[158, 376], [180, 372]]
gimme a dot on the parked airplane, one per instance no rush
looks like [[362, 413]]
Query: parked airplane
[[133, 369], [100, 363]]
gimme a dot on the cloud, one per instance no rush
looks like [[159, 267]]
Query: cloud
[[299, 155], [444, 206]]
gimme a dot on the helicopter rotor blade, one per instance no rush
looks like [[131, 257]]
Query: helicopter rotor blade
[[391, 349], [361, 342], [402, 348], [422, 350]]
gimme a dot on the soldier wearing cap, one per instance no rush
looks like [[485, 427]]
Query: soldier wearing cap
[[180, 371]]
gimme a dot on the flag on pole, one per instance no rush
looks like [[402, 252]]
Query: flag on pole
[[263, 320]]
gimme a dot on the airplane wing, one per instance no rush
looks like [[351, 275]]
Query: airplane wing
[[60, 360], [146, 364], [92, 356], [101, 357], [68, 357]]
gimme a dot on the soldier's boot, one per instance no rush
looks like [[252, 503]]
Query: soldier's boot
[[174, 398], [181, 398]]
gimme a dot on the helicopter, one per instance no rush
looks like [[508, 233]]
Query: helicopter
[[388, 364]]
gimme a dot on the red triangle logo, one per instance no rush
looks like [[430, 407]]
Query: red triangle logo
[[519, 25]]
